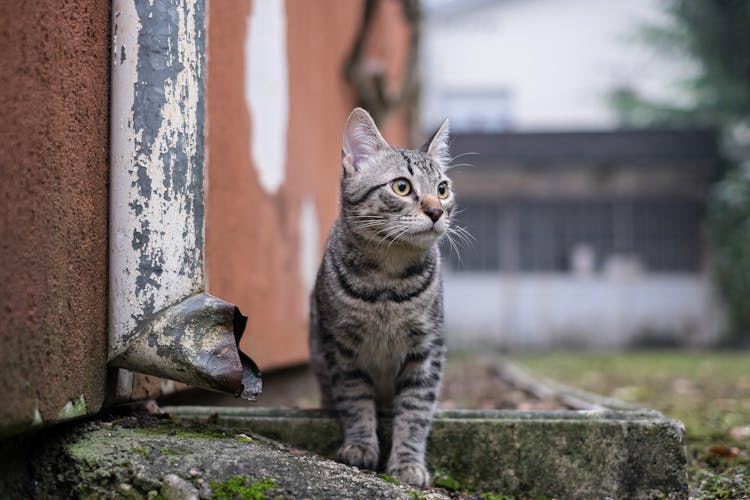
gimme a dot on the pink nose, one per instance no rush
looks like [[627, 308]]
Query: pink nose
[[434, 213]]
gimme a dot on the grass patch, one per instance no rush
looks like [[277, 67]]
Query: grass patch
[[708, 391], [241, 488]]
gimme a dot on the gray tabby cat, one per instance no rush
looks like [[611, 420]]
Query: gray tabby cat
[[377, 308]]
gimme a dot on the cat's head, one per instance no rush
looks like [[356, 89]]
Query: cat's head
[[394, 196]]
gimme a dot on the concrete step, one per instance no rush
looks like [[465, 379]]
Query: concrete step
[[558, 454]]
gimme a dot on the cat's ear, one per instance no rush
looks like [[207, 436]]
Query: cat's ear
[[437, 146], [361, 141]]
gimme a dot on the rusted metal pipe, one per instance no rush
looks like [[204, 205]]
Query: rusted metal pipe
[[194, 341], [161, 321]]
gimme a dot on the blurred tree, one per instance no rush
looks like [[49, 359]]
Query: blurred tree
[[729, 217], [715, 36]]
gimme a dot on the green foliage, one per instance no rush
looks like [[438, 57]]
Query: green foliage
[[715, 37], [240, 488], [729, 216], [723, 486]]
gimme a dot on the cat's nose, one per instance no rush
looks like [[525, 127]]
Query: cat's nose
[[434, 213]]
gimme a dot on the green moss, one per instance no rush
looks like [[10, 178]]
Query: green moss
[[179, 431], [388, 478], [166, 451], [243, 439], [494, 496], [240, 488], [205, 432], [73, 408], [141, 450], [444, 480]]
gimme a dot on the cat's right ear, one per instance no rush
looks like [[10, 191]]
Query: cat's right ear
[[361, 141]]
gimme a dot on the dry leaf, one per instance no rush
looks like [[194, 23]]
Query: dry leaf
[[724, 451]]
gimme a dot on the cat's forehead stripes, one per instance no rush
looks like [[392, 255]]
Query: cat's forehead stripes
[[407, 159], [420, 161]]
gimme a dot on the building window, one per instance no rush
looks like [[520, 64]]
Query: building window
[[475, 110], [579, 235]]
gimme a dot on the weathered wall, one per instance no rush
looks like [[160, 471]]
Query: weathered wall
[[54, 84], [277, 102]]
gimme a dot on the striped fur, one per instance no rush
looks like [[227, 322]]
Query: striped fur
[[376, 311]]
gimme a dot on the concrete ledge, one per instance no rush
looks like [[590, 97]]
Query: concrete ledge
[[562, 454], [141, 458]]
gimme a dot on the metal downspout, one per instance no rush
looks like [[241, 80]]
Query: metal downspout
[[161, 321]]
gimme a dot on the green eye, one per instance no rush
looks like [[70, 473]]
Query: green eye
[[442, 190], [401, 187]]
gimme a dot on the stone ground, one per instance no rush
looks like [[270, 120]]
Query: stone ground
[[471, 381], [142, 456]]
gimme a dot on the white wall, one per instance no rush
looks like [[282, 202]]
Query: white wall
[[529, 311], [557, 59]]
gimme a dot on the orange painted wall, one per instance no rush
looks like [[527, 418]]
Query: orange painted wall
[[54, 133], [252, 236]]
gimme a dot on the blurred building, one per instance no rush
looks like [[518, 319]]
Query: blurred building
[[584, 239], [494, 65], [585, 234]]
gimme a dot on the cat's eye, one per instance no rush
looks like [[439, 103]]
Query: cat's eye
[[442, 190], [401, 186]]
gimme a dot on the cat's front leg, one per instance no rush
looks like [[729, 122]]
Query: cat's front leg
[[354, 399], [413, 406]]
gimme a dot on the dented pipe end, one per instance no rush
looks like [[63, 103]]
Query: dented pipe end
[[195, 341]]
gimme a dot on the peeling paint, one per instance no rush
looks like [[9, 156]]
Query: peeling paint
[[157, 153], [73, 408], [267, 91], [160, 321]]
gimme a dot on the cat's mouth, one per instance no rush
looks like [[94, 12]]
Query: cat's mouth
[[429, 232]]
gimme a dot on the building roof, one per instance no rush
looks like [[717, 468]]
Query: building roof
[[638, 147]]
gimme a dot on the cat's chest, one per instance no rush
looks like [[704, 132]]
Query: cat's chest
[[384, 346]]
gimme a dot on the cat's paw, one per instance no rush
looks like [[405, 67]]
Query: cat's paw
[[413, 474], [362, 455]]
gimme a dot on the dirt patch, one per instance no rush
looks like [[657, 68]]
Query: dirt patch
[[468, 383]]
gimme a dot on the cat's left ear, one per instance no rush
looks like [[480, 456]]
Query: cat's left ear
[[437, 146]]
